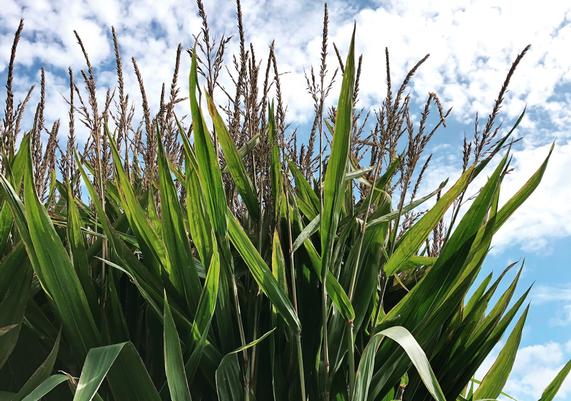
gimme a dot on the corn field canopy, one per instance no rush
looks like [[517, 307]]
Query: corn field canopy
[[220, 254]]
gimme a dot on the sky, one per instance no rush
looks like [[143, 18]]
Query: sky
[[471, 44]]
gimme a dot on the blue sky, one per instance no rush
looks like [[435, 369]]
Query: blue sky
[[472, 44]]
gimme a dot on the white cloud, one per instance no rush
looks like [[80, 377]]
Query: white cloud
[[472, 44], [546, 215], [545, 293], [534, 368], [560, 297], [563, 318]]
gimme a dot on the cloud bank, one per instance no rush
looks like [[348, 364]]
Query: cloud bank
[[472, 44]]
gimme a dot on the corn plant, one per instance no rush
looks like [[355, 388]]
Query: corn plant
[[215, 261]]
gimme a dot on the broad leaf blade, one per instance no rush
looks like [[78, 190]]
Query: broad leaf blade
[[135, 386], [415, 353]]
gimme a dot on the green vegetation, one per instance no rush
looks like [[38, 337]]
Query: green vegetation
[[210, 258]]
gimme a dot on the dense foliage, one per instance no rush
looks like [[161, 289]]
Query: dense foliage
[[216, 260]]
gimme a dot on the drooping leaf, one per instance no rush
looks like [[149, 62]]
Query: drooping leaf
[[45, 387], [415, 353], [100, 361]]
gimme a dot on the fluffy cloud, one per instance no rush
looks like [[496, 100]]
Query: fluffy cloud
[[545, 294], [560, 296], [534, 226], [547, 213], [534, 368], [472, 44]]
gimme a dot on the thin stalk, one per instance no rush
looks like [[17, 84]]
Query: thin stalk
[[384, 281], [240, 328], [294, 293], [252, 366], [323, 288], [325, 347], [101, 187], [258, 298], [325, 315], [351, 338]]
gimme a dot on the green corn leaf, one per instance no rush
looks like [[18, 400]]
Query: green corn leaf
[[234, 162], [151, 245], [6, 223], [358, 173], [476, 381], [210, 178], [40, 375], [306, 233], [551, 390], [334, 289], [334, 184], [204, 313], [496, 378], [174, 365], [229, 386], [407, 208], [45, 387], [51, 262], [183, 272], [276, 173], [477, 295], [415, 353], [14, 176], [146, 279], [115, 360], [418, 233], [77, 248], [523, 193], [209, 172], [261, 272], [198, 221], [278, 262], [305, 190], [209, 296], [15, 287], [430, 300]]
